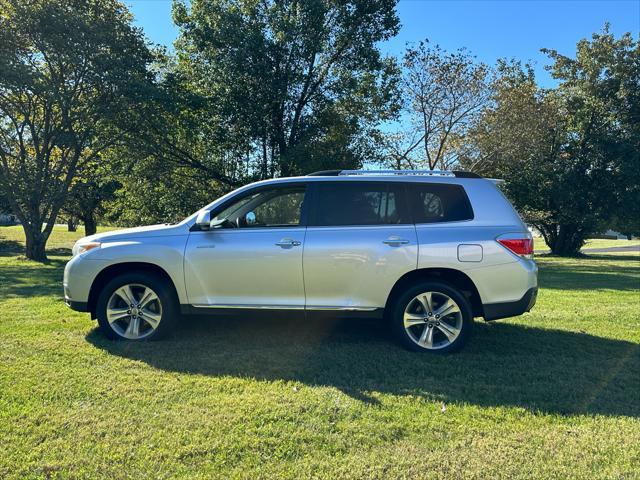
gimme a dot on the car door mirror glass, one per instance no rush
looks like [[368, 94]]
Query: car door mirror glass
[[218, 222], [250, 218]]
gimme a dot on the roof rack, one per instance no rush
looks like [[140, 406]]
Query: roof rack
[[438, 173], [430, 173], [325, 173]]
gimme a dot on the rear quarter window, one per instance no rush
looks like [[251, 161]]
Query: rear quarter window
[[438, 202]]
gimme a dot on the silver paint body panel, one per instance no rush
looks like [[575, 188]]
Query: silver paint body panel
[[352, 267], [245, 266], [332, 268]]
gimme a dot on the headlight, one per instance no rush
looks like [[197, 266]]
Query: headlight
[[81, 247]]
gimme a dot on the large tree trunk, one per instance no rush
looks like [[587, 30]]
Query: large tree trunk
[[563, 239], [36, 242], [71, 224], [90, 226]]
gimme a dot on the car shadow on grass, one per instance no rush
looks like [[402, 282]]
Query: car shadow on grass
[[546, 371]]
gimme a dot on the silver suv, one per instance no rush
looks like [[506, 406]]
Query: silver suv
[[427, 251]]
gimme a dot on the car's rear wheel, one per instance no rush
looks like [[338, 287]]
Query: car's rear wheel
[[137, 306], [432, 317]]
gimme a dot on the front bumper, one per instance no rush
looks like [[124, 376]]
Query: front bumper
[[77, 306], [79, 274], [495, 311]]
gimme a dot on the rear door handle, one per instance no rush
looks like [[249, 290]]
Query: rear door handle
[[395, 242], [288, 243]]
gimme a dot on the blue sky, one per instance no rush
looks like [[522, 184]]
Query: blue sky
[[488, 29]]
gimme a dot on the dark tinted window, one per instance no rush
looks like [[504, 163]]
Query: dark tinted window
[[433, 202], [359, 203], [279, 207]]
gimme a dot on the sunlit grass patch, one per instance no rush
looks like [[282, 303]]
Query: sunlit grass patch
[[551, 394]]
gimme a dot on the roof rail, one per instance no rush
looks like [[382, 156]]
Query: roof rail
[[325, 173], [463, 174], [442, 173], [430, 173]]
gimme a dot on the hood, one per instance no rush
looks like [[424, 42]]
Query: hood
[[138, 232]]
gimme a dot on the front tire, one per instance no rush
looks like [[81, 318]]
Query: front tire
[[137, 306], [432, 317]]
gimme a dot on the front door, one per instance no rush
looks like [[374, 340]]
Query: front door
[[254, 257]]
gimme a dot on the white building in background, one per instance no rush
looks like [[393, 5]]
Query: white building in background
[[613, 235]]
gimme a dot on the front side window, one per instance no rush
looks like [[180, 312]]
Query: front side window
[[278, 207], [359, 203], [437, 202]]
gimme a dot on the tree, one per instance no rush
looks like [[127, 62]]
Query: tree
[[158, 191], [256, 90], [522, 139], [569, 155], [182, 132], [93, 187], [70, 73], [293, 86], [4, 205], [602, 88], [444, 93]]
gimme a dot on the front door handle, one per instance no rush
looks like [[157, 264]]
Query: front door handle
[[395, 241], [288, 243]]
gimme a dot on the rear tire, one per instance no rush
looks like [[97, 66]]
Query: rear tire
[[137, 306], [433, 317]]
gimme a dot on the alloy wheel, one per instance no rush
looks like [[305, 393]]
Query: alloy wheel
[[134, 311], [433, 320]]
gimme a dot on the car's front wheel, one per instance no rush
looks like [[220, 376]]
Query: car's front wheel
[[136, 306], [432, 317]]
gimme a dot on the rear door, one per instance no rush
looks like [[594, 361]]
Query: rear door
[[360, 240]]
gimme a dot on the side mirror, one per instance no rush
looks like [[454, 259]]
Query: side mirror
[[203, 220], [250, 218]]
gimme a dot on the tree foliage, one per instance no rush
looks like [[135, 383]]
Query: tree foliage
[[602, 89], [157, 191], [94, 185], [294, 84], [257, 90], [443, 95], [569, 155], [70, 71], [93, 122]]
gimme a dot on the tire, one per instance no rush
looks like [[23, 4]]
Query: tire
[[156, 320], [449, 331]]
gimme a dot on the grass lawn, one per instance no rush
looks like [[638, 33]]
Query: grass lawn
[[540, 246], [552, 394]]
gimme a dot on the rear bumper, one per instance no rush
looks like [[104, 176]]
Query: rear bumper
[[495, 311]]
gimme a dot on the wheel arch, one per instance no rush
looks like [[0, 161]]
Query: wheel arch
[[455, 278], [116, 269]]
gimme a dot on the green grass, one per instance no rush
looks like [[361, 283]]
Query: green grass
[[540, 246], [552, 394]]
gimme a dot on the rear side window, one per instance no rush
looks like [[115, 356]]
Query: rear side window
[[438, 202], [359, 203]]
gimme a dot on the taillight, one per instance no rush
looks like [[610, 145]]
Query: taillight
[[520, 246]]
